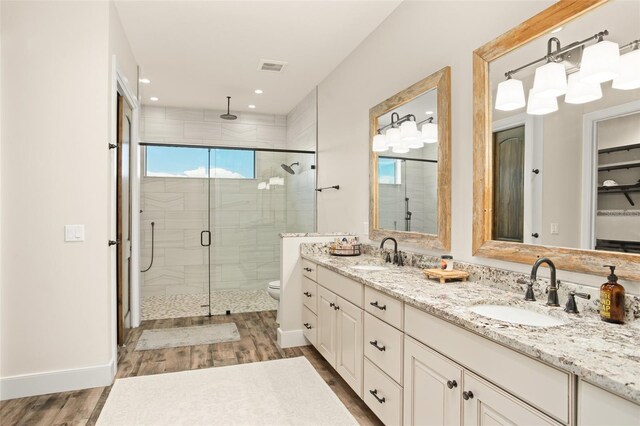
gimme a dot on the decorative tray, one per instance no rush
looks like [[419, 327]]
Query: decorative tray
[[345, 250]]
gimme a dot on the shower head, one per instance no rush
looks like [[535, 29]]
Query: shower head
[[288, 169], [228, 115]]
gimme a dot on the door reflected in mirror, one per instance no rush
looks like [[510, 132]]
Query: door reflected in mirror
[[565, 127]]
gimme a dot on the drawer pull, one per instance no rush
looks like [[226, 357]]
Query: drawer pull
[[467, 395], [375, 395], [374, 343], [334, 306], [452, 384], [306, 293], [376, 305], [308, 269], [307, 326]]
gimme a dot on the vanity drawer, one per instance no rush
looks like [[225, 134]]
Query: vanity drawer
[[310, 270], [309, 323], [518, 374], [382, 335], [310, 294], [344, 287], [385, 307], [389, 409]]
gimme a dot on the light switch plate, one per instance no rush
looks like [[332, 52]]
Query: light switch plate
[[73, 233], [555, 229]]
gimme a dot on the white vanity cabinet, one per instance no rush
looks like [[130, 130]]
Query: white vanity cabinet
[[339, 330], [598, 407]]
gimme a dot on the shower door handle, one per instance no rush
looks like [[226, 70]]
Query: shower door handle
[[208, 238]]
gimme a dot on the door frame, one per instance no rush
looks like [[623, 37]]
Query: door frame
[[119, 84], [590, 167], [533, 156]]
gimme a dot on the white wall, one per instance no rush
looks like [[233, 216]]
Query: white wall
[[387, 62], [56, 297]]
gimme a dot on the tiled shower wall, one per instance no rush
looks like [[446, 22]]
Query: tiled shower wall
[[245, 221]]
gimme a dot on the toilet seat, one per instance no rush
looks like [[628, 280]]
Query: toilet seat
[[275, 285]]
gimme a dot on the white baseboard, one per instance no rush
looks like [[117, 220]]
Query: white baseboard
[[57, 381], [292, 338]]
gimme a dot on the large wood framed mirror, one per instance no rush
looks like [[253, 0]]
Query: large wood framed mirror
[[410, 164], [557, 160]]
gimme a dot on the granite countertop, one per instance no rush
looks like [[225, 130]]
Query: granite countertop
[[605, 354], [314, 234]]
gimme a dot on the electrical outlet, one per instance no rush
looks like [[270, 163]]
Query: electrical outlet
[[555, 228]]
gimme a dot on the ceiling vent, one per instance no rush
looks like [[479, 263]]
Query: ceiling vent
[[273, 66]]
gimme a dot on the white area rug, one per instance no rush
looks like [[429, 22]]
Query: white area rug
[[187, 336], [280, 392]]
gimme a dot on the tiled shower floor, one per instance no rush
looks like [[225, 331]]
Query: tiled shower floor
[[189, 305]]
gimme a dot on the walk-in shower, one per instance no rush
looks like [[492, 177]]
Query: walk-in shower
[[218, 213]]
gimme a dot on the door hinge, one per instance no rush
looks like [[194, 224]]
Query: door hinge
[[112, 146]]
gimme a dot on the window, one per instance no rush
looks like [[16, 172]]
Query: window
[[389, 171], [187, 162]]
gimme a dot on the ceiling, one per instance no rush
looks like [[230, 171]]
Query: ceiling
[[197, 52]]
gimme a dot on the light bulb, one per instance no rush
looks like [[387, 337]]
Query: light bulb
[[541, 106], [581, 93], [380, 143], [510, 96], [550, 81], [393, 137], [629, 71], [600, 62], [430, 133]]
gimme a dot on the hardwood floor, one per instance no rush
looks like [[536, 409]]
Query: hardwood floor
[[257, 343]]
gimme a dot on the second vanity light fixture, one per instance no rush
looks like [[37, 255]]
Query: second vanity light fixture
[[600, 62], [402, 134]]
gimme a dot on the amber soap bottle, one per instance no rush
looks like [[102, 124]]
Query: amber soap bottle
[[612, 299]]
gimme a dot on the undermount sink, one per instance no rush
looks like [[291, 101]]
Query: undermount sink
[[369, 268], [517, 315]]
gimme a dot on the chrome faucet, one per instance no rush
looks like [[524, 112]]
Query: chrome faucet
[[397, 256], [552, 289]]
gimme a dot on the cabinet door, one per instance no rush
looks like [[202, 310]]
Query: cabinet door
[[326, 328], [597, 407], [432, 387], [486, 404], [350, 346]]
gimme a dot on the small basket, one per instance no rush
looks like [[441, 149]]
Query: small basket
[[345, 250]]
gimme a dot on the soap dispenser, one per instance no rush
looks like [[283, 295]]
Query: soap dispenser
[[612, 299]]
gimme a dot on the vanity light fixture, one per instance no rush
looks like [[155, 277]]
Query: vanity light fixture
[[402, 134], [600, 62], [380, 143], [629, 77], [392, 136], [430, 131]]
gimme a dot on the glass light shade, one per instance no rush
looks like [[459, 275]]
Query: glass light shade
[[629, 71], [416, 144], [510, 96], [380, 143], [550, 81], [401, 148], [581, 93], [268, 187], [262, 185], [430, 132], [393, 137], [600, 62], [276, 181], [541, 106], [409, 132]]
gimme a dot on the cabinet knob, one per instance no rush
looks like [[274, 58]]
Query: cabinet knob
[[376, 305], [307, 325], [308, 269], [374, 343], [467, 395], [375, 395], [306, 293], [452, 384]]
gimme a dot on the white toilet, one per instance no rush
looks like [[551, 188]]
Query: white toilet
[[274, 289]]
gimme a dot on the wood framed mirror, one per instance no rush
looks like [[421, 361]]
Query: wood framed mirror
[[410, 164], [574, 229]]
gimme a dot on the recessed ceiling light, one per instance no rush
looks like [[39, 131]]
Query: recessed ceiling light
[[258, 91], [153, 99], [557, 30], [252, 106], [428, 112], [145, 81]]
